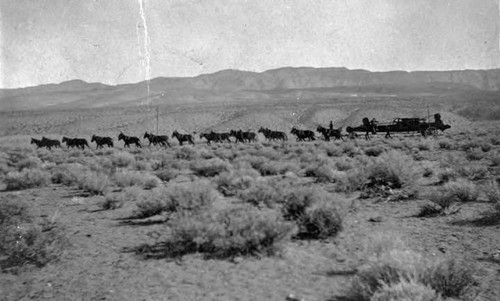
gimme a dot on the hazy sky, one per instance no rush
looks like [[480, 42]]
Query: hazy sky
[[49, 41]]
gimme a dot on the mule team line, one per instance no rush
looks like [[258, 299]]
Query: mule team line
[[398, 125]]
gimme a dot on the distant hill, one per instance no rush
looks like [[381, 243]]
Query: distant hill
[[277, 84]]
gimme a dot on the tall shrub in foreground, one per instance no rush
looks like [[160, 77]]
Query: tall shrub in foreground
[[23, 240], [241, 230], [27, 178]]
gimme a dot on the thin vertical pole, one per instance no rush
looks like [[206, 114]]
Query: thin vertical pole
[[156, 120]]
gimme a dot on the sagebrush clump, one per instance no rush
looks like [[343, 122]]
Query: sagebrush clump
[[235, 231]]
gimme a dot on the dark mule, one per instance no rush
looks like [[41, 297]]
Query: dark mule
[[302, 135], [46, 143], [101, 141], [273, 135], [221, 137], [127, 140], [327, 133], [37, 142], [183, 137], [49, 143], [75, 142], [156, 139], [244, 136], [367, 127], [210, 137]]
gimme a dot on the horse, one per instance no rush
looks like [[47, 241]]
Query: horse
[[222, 136], [49, 143], [101, 141], [273, 135], [244, 136], [75, 142], [156, 139], [303, 134], [367, 127], [210, 137], [327, 133], [183, 137], [127, 140], [44, 143]]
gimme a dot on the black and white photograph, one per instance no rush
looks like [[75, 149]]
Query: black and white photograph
[[240, 150]]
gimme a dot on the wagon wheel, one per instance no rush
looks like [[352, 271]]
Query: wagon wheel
[[431, 131]]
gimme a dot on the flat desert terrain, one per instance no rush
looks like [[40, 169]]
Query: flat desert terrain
[[263, 220]]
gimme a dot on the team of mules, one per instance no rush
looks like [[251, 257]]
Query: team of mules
[[368, 127], [45, 142]]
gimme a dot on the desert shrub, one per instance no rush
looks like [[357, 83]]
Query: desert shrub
[[128, 178], [374, 151], [210, 167], [452, 193], [67, 173], [470, 144], [445, 144], [495, 140], [405, 290], [486, 147], [27, 178], [495, 159], [319, 222], [392, 169], [29, 163], [389, 269], [348, 181], [261, 194], [167, 174], [111, 201], [122, 159], [447, 174], [474, 154], [473, 171], [16, 155], [229, 183], [105, 164], [323, 172], [449, 277], [225, 154], [190, 196], [349, 149], [93, 182], [461, 191], [268, 168], [236, 231], [392, 270], [134, 178], [143, 165], [344, 164], [424, 145], [297, 200], [285, 167], [116, 200], [152, 203], [265, 152], [492, 192], [186, 153], [428, 172], [23, 240], [13, 211], [332, 150]]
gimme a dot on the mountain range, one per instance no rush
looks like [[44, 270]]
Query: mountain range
[[287, 83]]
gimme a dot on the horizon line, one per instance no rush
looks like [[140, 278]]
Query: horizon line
[[247, 71]]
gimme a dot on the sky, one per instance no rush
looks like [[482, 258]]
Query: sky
[[51, 41]]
